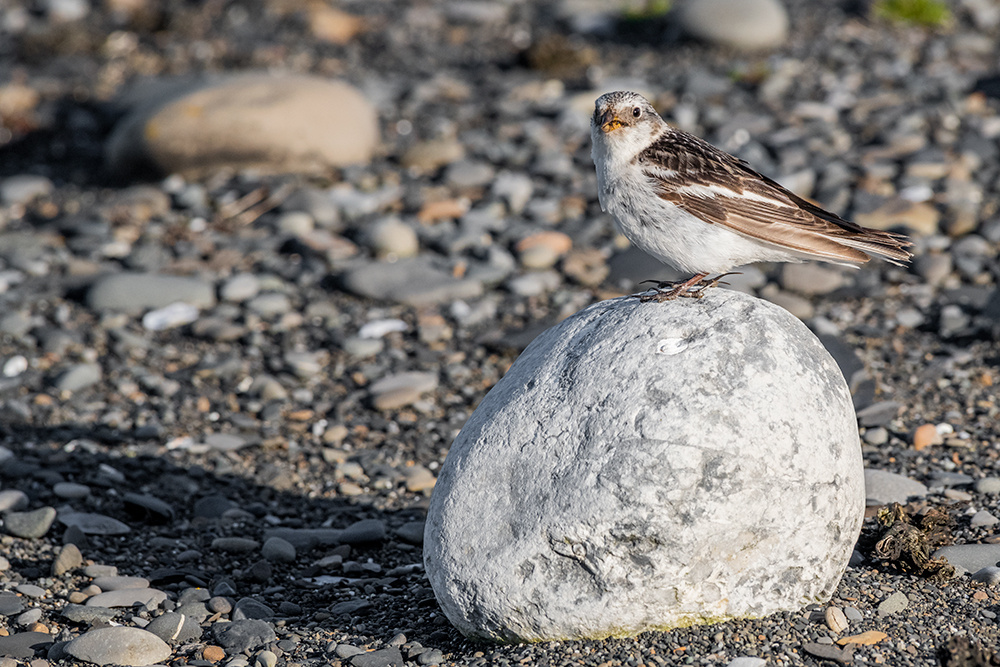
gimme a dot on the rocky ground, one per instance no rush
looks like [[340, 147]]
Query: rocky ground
[[264, 452]]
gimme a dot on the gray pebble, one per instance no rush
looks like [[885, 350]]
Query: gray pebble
[[235, 545], [250, 608], [29, 617], [982, 518], [432, 657], [13, 499], [10, 604], [29, 525], [386, 657], [347, 651], [119, 645], [94, 524], [96, 570], [270, 304], [175, 628], [882, 488], [989, 575], [78, 613], [988, 485], [30, 590], [894, 603], [119, 582], [71, 491], [127, 597], [366, 531], [852, 614], [239, 288], [469, 174], [876, 436], [879, 414], [24, 644], [135, 292], [265, 659], [243, 635], [415, 282], [23, 188], [278, 550], [746, 661], [78, 377]]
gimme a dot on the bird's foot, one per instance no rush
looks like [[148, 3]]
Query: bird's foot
[[692, 288]]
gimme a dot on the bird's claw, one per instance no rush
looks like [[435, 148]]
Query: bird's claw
[[668, 291]]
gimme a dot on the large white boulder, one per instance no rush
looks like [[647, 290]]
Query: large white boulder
[[645, 466]]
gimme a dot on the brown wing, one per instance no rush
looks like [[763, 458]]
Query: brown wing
[[722, 189]]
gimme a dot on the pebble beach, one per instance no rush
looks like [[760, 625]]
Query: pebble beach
[[234, 354]]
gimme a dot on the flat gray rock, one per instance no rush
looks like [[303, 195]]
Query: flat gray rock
[[24, 644], [882, 488], [135, 292], [646, 466], [29, 525], [970, 557], [242, 635], [175, 628], [94, 524], [119, 645], [128, 597], [414, 282]]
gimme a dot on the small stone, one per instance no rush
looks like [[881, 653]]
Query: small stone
[[10, 604], [82, 614], [853, 615], [469, 174], [419, 479], [386, 657], [835, 619], [402, 389], [746, 661], [983, 518], [250, 608], [243, 635], [366, 531], [844, 656], [175, 628], [24, 644], [94, 524], [882, 488], [278, 550], [23, 188], [71, 491], [239, 288], [146, 508], [811, 278], [392, 239], [13, 499], [988, 575], [894, 603], [119, 645], [988, 485], [135, 292], [411, 532], [415, 282], [119, 582], [925, 436], [29, 525], [432, 155], [78, 377], [150, 598], [865, 638], [219, 605], [921, 217], [213, 653], [69, 558], [235, 545], [879, 414], [742, 24], [347, 651], [432, 657]]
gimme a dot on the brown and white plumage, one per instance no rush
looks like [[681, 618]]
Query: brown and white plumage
[[702, 210]]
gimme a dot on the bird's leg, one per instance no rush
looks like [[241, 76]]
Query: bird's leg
[[667, 291], [705, 283]]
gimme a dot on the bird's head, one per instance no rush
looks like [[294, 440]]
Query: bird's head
[[621, 111], [623, 125]]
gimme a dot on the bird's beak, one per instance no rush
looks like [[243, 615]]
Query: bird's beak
[[609, 121]]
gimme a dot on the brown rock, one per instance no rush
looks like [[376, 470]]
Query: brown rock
[[213, 653], [332, 25], [278, 124], [866, 638], [921, 217], [925, 436]]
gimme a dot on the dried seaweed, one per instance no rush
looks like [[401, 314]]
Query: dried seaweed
[[907, 542]]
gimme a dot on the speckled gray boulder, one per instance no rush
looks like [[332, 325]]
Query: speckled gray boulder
[[645, 466]]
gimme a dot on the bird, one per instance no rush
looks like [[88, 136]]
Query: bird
[[701, 210]]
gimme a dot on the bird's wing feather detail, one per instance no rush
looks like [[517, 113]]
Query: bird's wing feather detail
[[721, 189]]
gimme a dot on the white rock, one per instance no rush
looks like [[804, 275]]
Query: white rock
[[119, 645], [645, 466], [742, 24]]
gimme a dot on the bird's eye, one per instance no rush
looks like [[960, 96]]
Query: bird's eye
[[636, 112]]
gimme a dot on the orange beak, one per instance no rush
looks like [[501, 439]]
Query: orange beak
[[609, 121]]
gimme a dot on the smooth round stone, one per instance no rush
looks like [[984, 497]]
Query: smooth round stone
[[136, 292], [988, 575], [29, 617], [13, 499], [746, 661], [175, 628], [10, 604], [23, 188], [360, 348], [247, 121], [346, 651], [69, 558], [213, 507], [278, 550], [366, 531], [616, 511], [78, 377], [983, 518], [988, 485], [741, 24], [894, 603], [71, 491], [393, 239], [296, 223], [128, 597], [811, 278], [417, 281], [120, 582], [147, 508], [30, 590], [235, 545], [240, 287], [119, 645], [24, 644], [882, 488], [432, 154], [469, 174], [29, 525], [250, 608], [270, 304]]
